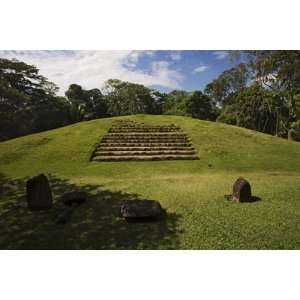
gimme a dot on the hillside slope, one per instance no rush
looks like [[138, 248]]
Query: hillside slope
[[191, 191], [67, 150]]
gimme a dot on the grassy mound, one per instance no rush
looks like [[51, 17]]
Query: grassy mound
[[192, 192]]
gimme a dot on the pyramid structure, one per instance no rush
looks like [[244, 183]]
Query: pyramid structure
[[133, 141]]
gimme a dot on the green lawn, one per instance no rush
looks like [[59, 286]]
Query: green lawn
[[192, 192]]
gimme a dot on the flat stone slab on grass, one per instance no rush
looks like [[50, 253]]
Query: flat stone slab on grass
[[139, 210], [74, 198]]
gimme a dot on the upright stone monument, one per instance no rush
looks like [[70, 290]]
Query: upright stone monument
[[38, 193], [241, 190]]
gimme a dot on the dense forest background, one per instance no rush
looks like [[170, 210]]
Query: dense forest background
[[262, 93]]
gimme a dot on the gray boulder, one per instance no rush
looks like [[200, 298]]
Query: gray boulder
[[71, 198], [139, 210], [38, 193]]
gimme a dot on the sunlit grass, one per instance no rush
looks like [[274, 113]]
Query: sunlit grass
[[192, 192]]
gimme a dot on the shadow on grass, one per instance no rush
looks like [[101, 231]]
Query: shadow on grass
[[254, 199], [251, 200], [96, 224]]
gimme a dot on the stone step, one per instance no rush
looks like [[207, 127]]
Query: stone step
[[145, 137], [146, 134], [146, 140], [158, 129], [144, 152], [104, 148], [143, 130], [144, 126], [151, 142], [133, 141], [145, 158], [139, 144]]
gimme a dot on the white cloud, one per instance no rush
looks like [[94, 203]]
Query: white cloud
[[150, 53], [162, 72], [200, 69], [175, 55], [220, 54], [92, 68]]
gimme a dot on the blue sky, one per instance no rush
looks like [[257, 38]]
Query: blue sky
[[197, 67], [163, 70]]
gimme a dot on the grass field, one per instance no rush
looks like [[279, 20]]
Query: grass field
[[192, 192]]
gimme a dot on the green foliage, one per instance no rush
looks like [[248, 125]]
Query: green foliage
[[24, 97], [173, 104], [261, 110], [294, 132], [277, 69], [279, 72], [295, 107], [86, 104], [125, 98], [228, 115], [199, 105], [55, 112], [228, 84], [194, 104], [262, 92], [296, 125]]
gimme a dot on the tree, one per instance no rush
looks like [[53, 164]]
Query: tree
[[278, 71], [95, 105], [22, 92], [75, 95], [259, 109], [276, 68], [55, 112], [194, 104], [86, 104], [295, 109], [125, 98], [174, 103], [223, 89], [159, 100], [275, 75], [228, 115], [200, 106]]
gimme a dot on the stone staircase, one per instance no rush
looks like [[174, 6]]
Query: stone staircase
[[133, 141]]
